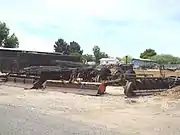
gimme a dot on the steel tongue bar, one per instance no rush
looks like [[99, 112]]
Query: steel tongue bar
[[53, 79], [85, 88]]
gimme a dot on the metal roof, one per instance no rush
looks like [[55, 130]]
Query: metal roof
[[143, 59], [17, 49]]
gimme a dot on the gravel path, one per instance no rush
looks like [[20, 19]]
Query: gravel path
[[44, 112]]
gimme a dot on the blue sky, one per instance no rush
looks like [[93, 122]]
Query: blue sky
[[119, 27]]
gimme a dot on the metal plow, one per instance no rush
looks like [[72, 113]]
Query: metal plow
[[35, 82], [144, 86], [150, 85]]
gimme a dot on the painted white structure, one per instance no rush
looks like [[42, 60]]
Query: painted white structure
[[109, 61]]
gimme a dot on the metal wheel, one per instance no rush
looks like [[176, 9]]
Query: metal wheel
[[128, 89]]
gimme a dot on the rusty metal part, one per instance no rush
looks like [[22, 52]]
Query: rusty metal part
[[144, 85], [88, 88], [85, 88], [147, 86], [134, 84]]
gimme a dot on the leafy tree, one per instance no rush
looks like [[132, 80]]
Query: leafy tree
[[75, 49], [166, 59], [98, 54], [148, 53], [69, 49], [61, 46], [88, 57], [4, 32], [104, 55], [6, 40], [176, 60], [11, 42]]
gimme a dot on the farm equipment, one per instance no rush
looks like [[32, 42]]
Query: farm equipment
[[67, 74], [144, 84], [59, 80], [65, 80]]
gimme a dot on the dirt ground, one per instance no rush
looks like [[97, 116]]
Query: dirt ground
[[157, 115]]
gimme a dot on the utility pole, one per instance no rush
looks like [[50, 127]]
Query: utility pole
[[126, 59]]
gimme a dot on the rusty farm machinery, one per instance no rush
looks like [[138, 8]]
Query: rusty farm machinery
[[66, 80], [67, 74], [62, 79]]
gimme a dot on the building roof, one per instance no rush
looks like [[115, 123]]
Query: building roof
[[28, 51], [108, 59], [143, 59]]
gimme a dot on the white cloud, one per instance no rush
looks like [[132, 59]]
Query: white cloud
[[129, 25], [111, 9], [35, 43]]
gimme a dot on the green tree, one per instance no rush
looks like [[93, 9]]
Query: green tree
[[104, 55], [6, 40], [70, 49], [166, 59], [88, 57], [11, 42], [61, 46], [98, 54], [75, 48], [148, 53]]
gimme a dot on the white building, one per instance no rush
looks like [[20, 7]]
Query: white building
[[109, 61]]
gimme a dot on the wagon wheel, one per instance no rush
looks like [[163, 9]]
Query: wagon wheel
[[128, 89]]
